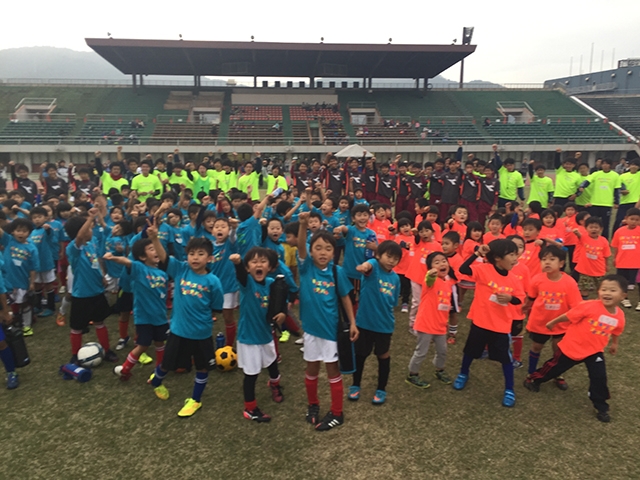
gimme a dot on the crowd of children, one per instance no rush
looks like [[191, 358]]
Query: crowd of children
[[173, 245]]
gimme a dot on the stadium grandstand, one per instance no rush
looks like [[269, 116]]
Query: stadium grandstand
[[306, 117]]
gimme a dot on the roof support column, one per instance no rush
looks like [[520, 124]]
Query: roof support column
[[255, 81], [141, 80], [312, 82], [133, 80]]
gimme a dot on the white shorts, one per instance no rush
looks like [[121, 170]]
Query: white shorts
[[17, 295], [46, 277], [231, 301], [69, 280], [112, 283], [318, 349], [253, 358]]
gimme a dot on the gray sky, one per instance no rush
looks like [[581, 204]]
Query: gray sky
[[518, 42]]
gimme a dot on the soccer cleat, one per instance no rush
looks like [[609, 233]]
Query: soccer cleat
[[284, 338], [144, 359], [561, 383], [451, 339], [517, 364], [354, 393], [416, 381], [27, 331], [276, 393], [117, 370], [626, 303], [122, 342], [313, 414], [330, 421], [379, 397], [256, 415], [603, 417], [161, 392], [12, 380], [531, 385], [461, 381], [443, 377], [46, 313], [299, 341], [60, 320], [190, 407], [110, 356], [509, 399], [62, 290], [405, 308]]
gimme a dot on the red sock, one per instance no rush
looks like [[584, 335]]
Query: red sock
[[230, 331], [251, 406], [274, 381], [123, 328], [311, 384], [291, 325], [517, 347], [76, 341], [337, 394], [129, 363], [159, 355], [103, 336]]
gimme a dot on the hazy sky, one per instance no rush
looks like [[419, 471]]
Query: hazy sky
[[518, 42]]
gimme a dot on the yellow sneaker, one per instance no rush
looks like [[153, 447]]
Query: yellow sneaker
[[284, 338], [161, 392], [190, 407], [144, 359], [27, 331]]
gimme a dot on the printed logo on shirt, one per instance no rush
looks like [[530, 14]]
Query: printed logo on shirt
[[593, 252], [320, 286], [386, 288], [628, 242], [156, 281], [552, 300], [192, 289], [444, 300], [93, 259], [263, 299], [604, 325], [36, 239]]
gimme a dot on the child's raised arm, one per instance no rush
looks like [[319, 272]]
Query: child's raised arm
[[115, 259], [260, 208], [152, 234], [303, 219], [85, 232]]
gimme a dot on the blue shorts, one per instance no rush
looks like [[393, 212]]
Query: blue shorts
[[151, 333]]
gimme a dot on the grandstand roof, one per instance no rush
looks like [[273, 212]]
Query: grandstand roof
[[267, 59]]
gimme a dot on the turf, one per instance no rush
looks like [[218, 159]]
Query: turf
[[54, 428]]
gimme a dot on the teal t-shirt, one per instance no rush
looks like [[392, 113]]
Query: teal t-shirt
[[149, 286], [380, 289], [253, 327]]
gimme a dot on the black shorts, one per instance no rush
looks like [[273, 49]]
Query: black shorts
[[180, 352], [369, 340], [542, 338], [124, 302], [90, 309], [498, 344], [145, 334], [516, 327]]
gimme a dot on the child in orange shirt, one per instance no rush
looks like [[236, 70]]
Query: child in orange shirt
[[550, 293], [491, 312], [581, 217], [380, 223], [450, 243], [591, 325], [551, 231], [514, 227], [495, 225], [625, 247], [521, 272], [594, 251], [458, 222], [407, 241], [430, 214], [534, 210], [472, 240], [530, 231], [431, 320], [417, 268], [568, 224]]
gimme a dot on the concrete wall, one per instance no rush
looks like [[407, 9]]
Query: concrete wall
[[627, 83]]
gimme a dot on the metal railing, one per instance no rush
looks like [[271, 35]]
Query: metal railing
[[42, 117], [114, 117], [445, 120], [45, 102]]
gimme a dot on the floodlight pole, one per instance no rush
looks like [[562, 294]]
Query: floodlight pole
[[467, 34]]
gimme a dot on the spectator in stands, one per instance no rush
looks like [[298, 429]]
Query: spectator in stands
[[597, 167], [622, 166]]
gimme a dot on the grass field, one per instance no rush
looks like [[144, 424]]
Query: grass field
[[53, 428]]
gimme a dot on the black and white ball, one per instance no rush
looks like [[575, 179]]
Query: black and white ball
[[90, 355]]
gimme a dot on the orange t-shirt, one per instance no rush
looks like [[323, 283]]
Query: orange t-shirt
[[461, 228], [418, 266], [467, 250], [552, 299], [455, 261], [555, 233], [569, 223], [509, 230], [407, 255], [521, 272], [490, 237], [589, 330], [381, 227], [530, 257], [485, 311], [593, 256], [435, 304], [627, 241], [534, 215], [576, 251]]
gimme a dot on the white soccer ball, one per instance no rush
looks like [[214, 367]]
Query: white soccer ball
[[90, 355]]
